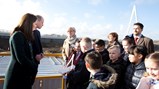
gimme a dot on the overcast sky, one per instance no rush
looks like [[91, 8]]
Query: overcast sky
[[91, 18]]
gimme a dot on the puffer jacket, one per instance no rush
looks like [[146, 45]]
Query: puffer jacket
[[133, 75], [104, 79]]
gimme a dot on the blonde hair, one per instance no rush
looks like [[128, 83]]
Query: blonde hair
[[152, 57], [115, 47]]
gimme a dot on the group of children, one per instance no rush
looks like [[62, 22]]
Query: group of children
[[141, 79], [116, 66], [119, 72]]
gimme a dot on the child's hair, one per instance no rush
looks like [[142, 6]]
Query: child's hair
[[94, 59], [129, 40], [153, 57], [99, 42], [115, 47], [115, 35], [136, 49]]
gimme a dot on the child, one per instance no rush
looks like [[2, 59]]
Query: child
[[135, 70], [102, 77], [151, 80], [113, 40], [76, 54], [100, 47], [127, 42]]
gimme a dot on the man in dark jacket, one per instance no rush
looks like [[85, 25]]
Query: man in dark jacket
[[37, 46]]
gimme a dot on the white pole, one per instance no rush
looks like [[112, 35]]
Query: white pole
[[132, 14], [135, 13]]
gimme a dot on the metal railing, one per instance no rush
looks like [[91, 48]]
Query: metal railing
[[41, 78]]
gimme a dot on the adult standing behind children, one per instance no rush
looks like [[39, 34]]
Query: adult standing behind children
[[69, 43], [22, 67], [140, 39]]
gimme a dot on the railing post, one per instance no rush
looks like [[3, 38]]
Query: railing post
[[63, 83]]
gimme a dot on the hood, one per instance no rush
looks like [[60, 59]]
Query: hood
[[105, 78]]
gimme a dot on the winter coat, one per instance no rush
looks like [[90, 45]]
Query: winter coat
[[22, 67], [120, 67], [105, 56], [133, 75], [104, 79]]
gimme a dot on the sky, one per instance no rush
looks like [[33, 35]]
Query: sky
[[91, 18]]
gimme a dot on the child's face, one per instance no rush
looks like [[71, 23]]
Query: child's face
[[77, 46], [135, 58], [111, 38], [126, 45], [152, 69], [114, 54], [99, 48]]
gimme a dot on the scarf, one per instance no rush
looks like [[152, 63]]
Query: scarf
[[71, 40]]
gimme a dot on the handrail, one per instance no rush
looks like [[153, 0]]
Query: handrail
[[4, 53], [45, 54], [46, 77], [41, 77], [1, 80]]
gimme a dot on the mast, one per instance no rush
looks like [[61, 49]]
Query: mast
[[133, 13]]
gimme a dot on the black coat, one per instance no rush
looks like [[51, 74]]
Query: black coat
[[79, 78], [37, 46], [105, 56], [120, 67], [22, 67]]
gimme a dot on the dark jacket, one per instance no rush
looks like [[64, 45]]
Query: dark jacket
[[105, 56], [125, 57], [37, 46], [79, 78], [22, 67], [133, 75], [144, 41], [104, 79], [119, 66]]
